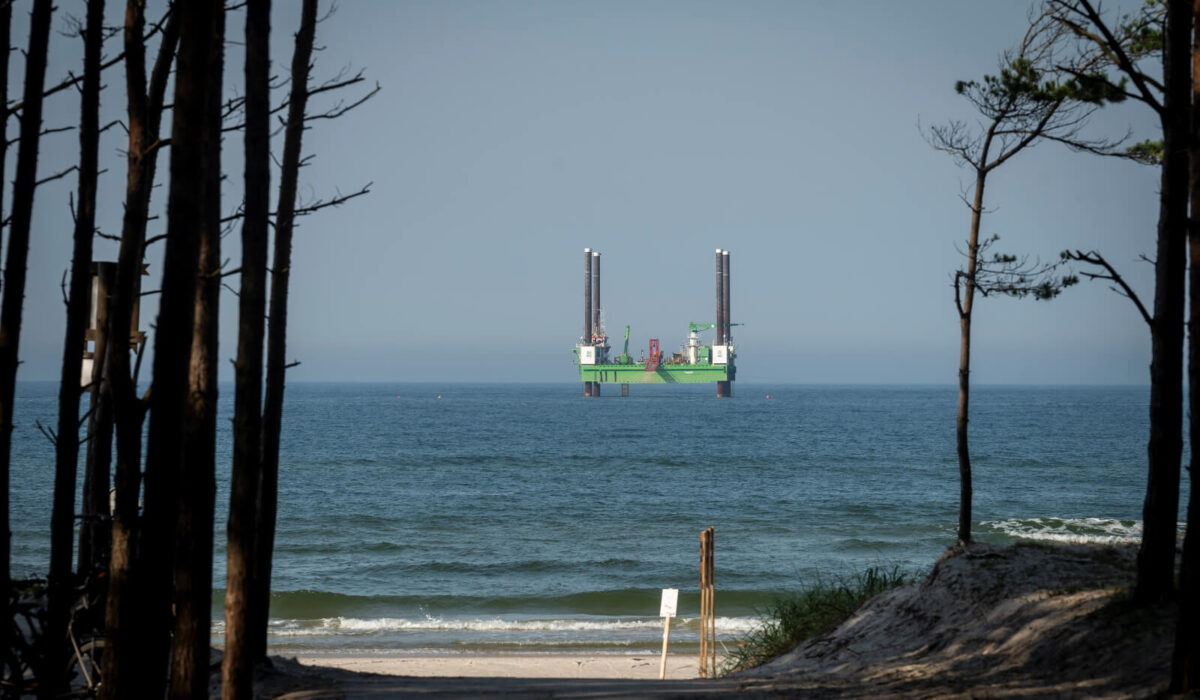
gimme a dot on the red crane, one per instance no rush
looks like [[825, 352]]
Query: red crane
[[655, 356]]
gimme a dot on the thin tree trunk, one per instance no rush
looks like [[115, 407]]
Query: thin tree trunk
[[277, 327], [238, 663], [1160, 512], [966, 493], [1185, 663], [62, 519], [18, 245], [193, 568], [121, 662], [186, 224], [5, 531]]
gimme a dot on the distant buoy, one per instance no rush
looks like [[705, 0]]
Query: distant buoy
[[768, 396], [439, 396]]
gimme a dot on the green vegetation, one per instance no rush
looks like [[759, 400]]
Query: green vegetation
[[813, 611]]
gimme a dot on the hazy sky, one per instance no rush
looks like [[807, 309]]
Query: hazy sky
[[509, 136]]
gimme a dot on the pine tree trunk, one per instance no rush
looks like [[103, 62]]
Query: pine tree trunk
[[5, 531], [18, 248], [1185, 663], [186, 225], [238, 663], [277, 328], [966, 304], [1160, 512], [62, 521], [121, 662], [193, 568]]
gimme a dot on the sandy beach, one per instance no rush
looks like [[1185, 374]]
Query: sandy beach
[[627, 666], [1016, 622]]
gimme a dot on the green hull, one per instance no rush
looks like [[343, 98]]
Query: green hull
[[665, 374]]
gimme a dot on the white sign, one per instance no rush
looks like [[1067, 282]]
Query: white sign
[[720, 355], [587, 355], [670, 601]]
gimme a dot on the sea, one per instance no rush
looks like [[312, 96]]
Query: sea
[[445, 518]]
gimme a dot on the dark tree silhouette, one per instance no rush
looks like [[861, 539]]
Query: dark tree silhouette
[[5, 532], [62, 526], [1119, 48], [1025, 103], [238, 664], [20, 219], [193, 568], [186, 227], [145, 107], [1185, 662], [272, 421]]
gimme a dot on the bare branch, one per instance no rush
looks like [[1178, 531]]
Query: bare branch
[[335, 202], [336, 83], [57, 176], [1110, 273], [316, 206], [48, 432], [338, 110], [74, 80], [959, 275], [44, 132]]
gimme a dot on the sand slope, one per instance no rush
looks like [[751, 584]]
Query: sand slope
[[1024, 621]]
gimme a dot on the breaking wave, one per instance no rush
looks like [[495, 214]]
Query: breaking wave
[[1068, 530]]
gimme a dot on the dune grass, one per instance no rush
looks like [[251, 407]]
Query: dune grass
[[814, 611]]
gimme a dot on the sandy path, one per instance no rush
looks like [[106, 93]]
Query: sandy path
[[638, 667]]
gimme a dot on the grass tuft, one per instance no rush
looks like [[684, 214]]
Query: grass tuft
[[814, 611]]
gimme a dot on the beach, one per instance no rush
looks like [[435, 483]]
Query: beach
[[626, 666], [1014, 622]]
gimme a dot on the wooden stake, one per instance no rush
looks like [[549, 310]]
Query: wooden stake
[[662, 669], [712, 594], [708, 624], [703, 605]]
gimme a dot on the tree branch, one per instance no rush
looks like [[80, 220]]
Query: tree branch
[[1095, 258], [57, 176]]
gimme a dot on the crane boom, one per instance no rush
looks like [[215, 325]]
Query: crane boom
[[697, 327]]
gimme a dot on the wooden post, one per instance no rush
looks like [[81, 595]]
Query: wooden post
[[703, 605], [662, 668], [708, 625], [712, 608]]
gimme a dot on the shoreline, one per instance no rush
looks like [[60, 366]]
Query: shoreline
[[516, 665]]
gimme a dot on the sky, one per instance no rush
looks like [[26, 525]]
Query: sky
[[509, 136]]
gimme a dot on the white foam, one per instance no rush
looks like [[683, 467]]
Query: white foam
[[1070, 530], [352, 627]]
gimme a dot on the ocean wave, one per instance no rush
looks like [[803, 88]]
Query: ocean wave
[[630, 603], [357, 627], [1069, 530]]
